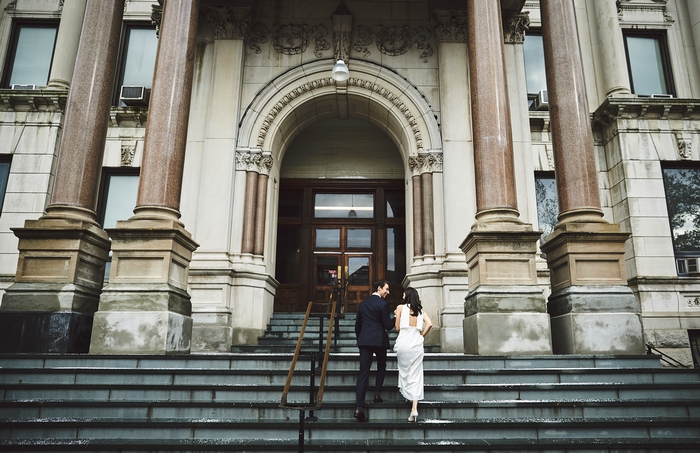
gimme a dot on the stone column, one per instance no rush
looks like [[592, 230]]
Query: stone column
[[592, 309], [67, 43], [261, 205], [612, 49], [62, 255], [427, 217], [417, 213], [145, 308], [505, 310], [251, 197]]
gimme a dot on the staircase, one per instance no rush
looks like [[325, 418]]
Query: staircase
[[230, 402]]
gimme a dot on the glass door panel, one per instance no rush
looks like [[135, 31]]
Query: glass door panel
[[358, 279]]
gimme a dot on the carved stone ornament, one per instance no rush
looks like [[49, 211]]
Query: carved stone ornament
[[290, 39], [127, 156], [515, 26], [684, 145], [693, 302], [60, 5], [450, 26], [229, 22], [156, 15], [11, 6], [255, 160], [394, 40], [415, 164]]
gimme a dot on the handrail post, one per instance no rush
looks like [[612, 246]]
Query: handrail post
[[301, 431]]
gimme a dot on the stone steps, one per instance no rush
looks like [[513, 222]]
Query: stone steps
[[231, 402]]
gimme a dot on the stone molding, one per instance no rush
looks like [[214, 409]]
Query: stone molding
[[394, 40], [255, 160], [515, 26], [429, 162], [653, 11], [33, 100], [450, 26], [230, 22], [614, 109]]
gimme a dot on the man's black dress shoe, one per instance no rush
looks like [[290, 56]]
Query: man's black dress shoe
[[360, 416], [378, 399]]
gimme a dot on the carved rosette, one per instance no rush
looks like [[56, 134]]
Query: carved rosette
[[229, 22], [415, 164], [425, 162], [127, 155], [515, 26], [450, 26], [393, 41]]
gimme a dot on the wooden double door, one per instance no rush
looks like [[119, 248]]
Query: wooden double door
[[341, 235]]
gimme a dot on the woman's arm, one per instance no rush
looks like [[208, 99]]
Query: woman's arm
[[428, 324], [397, 312]]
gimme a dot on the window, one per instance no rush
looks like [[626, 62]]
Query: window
[[4, 176], [648, 64], [547, 203], [535, 76], [344, 205], [683, 202], [118, 193], [138, 58], [30, 55]]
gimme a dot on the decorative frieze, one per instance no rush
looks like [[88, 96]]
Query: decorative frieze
[[290, 39], [394, 40], [229, 22], [515, 26], [450, 26]]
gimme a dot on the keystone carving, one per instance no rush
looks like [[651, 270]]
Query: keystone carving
[[127, 156], [684, 146]]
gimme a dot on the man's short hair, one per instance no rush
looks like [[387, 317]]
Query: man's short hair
[[380, 284]]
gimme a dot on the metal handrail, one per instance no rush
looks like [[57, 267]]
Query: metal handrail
[[666, 358], [319, 396]]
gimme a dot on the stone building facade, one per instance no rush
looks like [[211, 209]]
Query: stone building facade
[[177, 171]]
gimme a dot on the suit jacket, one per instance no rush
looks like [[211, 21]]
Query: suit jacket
[[373, 322]]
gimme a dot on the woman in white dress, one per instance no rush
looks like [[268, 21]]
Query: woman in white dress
[[413, 324]]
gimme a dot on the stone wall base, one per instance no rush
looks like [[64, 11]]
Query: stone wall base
[[211, 332], [596, 320], [42, 332]]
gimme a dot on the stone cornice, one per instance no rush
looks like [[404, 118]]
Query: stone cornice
[[614, 109], [33, 100]]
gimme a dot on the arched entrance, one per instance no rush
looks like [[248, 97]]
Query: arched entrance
[[296, 101], [341, 215]]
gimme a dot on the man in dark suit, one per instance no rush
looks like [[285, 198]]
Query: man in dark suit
[[371, 325]]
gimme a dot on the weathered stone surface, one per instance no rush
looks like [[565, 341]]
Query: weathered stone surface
[[597, 333], [507, 334], [140, 332]]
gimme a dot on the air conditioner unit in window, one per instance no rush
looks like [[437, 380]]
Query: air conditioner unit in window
[[134, 96], [541, 101], [25, 86], [662, 96], [687, 267]]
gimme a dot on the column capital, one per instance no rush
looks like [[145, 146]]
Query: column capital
[[254, 160], [514, 27], [450, 26], [156, 15], [230, 22]]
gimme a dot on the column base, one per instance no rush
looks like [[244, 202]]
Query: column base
[[596, 320], [506, 321], [30, 332]]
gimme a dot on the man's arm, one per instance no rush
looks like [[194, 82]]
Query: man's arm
[[358, 324], [386, 319]]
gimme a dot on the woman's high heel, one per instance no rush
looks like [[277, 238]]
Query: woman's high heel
[[413, 417]]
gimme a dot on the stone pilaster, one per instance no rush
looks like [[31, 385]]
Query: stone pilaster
[[505, 310], [145, 308], [67, 40], [60, 270], [592, 309]]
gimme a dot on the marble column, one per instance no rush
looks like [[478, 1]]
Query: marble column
[[612, 49], [67, 43], [62, 254], [417, 217], [505, 311], [145, 308], [592, 309], [427, 217], [251, 197]]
